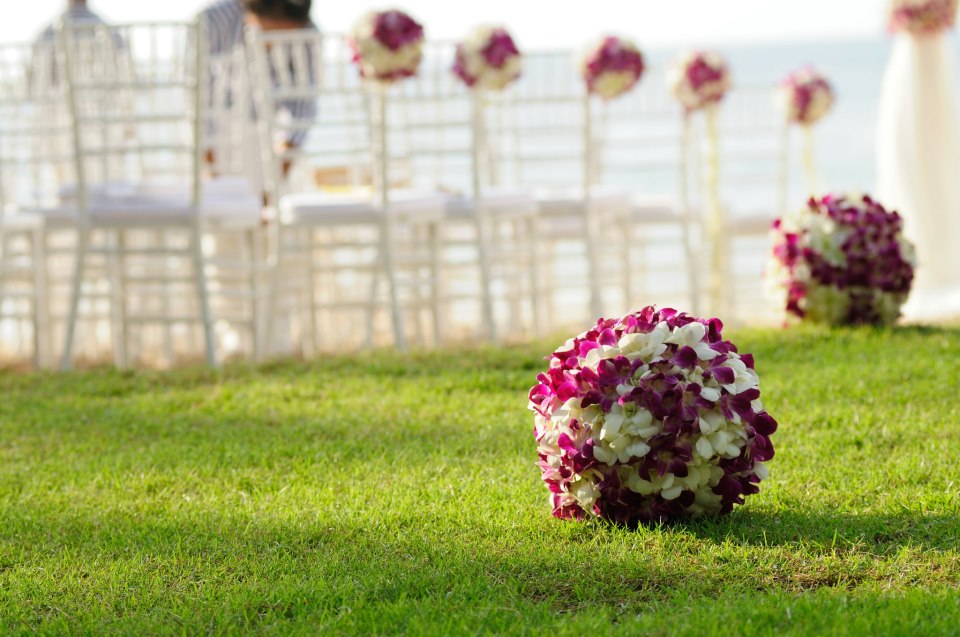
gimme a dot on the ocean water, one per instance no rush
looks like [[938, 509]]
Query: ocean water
[[845, 139]]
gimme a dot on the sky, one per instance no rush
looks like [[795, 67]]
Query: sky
[[539, 24]]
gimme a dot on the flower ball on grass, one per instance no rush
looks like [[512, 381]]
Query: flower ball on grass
[[842, 259], [651, 417]]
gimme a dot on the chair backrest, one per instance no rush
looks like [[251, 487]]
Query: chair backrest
[[448, 132], [229, 112], [541, 125], [136, 97], [642, 143], [753, 178], [36, 152], [291, 70]]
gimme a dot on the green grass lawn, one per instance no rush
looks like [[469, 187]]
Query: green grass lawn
[[399, 494]]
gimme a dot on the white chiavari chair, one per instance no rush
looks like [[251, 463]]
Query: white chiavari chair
[[344, 223], [140, 201], [753, 182], [645, 143], [550, 128], [490, 257], [235, 245], [35, 160]]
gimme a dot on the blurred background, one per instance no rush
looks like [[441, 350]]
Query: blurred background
[[762, 39]]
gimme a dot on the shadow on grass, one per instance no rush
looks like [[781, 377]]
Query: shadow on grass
[[828, 531]]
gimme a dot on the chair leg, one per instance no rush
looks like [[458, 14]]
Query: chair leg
[[416, 301], [693, 280], [372, 301], [118, 318], [255, 254], [167, 327], [41, 311], [531, 247], [627, 245], [436, 282], [486, 292], [390, 274], [593, 264], [3, 252], [203, 297], [274, 268], [76, 285], [312, 281]]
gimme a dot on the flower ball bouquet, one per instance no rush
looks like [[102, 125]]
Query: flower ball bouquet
[[699, 79], [387, 45], [842, 259], [922, 17], [806, 96], [650, 417], [488, 59], [612, 67]]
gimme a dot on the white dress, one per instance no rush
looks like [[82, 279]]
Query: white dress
[[918, 165]]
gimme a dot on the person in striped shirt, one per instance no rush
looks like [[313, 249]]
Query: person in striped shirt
[[44, 64], [77, 12], [225, 21]]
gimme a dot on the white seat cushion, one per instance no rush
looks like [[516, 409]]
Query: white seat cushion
[[656, 209], [225, 202], [320, 208], [570, 201], [500, 202], [20, 221]]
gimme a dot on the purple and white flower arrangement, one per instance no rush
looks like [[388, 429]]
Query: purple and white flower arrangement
[[922, 17], [488, 59], [650, 417], [841, 260], [806, 96], [699, 79], [611, 67], [387, 45]]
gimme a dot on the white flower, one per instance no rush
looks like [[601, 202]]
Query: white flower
[[619, 440], [598, 354], [585, 491], [691, 335], [664, 485], [648, 347], [744, 377]]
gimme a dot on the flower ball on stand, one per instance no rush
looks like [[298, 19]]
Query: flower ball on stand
[[807, 96], [650, 417], [611, 67], [388, 45], [488, 59], [842, 259], [922, 17], [699, 79]]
